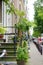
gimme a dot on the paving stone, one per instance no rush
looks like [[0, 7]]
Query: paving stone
[[36, 57]]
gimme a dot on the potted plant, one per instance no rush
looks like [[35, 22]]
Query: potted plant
[[2, 31], [22, 54]]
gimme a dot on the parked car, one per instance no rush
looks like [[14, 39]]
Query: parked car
[[40, 40], [34, 38]]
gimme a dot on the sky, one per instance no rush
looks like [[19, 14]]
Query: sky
[[31, 9], [31, 13]]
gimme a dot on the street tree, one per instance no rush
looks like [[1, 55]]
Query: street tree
[[38, 17]]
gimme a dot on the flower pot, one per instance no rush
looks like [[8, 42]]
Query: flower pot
[[20, 62], [1, 36]]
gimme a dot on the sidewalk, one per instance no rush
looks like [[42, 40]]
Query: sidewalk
[[36, 57]]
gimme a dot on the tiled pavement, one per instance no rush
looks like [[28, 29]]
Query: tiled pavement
[[36, 57]]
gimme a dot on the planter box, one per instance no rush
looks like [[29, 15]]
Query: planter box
[[1, 36], [21, 62]]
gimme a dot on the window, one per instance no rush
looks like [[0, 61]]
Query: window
[[24, 1], [19, 6]]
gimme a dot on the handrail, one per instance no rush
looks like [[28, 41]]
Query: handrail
[[3, 53]]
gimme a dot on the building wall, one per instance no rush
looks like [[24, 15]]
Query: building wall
[[6, 20], [26, 8], [11, 20], [22, 5], [18, 4]]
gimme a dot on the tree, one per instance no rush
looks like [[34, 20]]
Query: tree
[[38, 17]]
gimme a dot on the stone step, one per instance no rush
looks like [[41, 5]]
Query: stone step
[[8, 51], [6, 43], [8, 59], [9, 56], [9, 62], [6, 48]]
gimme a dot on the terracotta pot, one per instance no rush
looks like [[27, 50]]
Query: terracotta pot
[[20, 62], [1, 36]]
